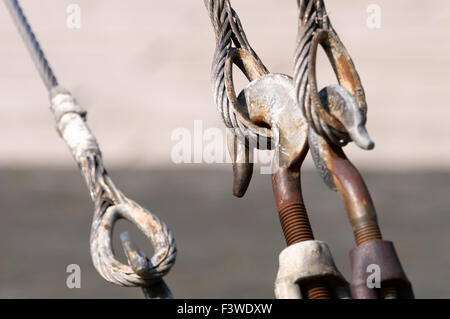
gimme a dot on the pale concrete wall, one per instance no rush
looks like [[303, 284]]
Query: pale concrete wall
[[141, 68]]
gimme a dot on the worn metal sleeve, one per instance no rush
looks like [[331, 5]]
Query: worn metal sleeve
[[70, 120]]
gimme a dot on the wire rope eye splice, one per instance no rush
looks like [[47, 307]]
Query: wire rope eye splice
[[110, 203], [336, 115]]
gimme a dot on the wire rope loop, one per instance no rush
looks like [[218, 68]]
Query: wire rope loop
[[315, 29], [252, 69], [321, 37], [152, 227], [343, 68], [229, 35]]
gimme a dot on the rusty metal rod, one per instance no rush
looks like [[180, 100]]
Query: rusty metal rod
[[289, 200], [357, 199], [294, 219]]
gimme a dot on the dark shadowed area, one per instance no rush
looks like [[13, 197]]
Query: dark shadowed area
[[228, 248]]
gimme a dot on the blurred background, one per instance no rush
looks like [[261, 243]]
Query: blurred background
[[142, 70]]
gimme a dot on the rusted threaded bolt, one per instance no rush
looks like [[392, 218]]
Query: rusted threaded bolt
[[295, 223], [294, 218], [317, 291], [367, 232]]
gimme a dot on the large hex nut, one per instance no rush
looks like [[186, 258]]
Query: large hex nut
[[306, 262], [381, 253]]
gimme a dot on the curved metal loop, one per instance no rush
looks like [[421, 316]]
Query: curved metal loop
[[252, 69], [102, 251], [339, 120], [343, 68], [229, 34]]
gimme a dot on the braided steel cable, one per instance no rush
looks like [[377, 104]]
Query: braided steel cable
[[312, 18], [229, 34], [110, 203], [38, 57]]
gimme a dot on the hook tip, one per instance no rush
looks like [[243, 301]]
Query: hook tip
[[242, 175], [138, 262]]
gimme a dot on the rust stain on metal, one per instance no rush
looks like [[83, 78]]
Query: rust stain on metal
[[345, 72], [355, 195]]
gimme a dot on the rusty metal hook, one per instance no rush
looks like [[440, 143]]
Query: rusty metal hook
[[140, 265], [270, 100], [241, 147]]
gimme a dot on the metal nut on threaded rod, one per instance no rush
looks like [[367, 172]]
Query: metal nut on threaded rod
[[392, 277], [306, 262]]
